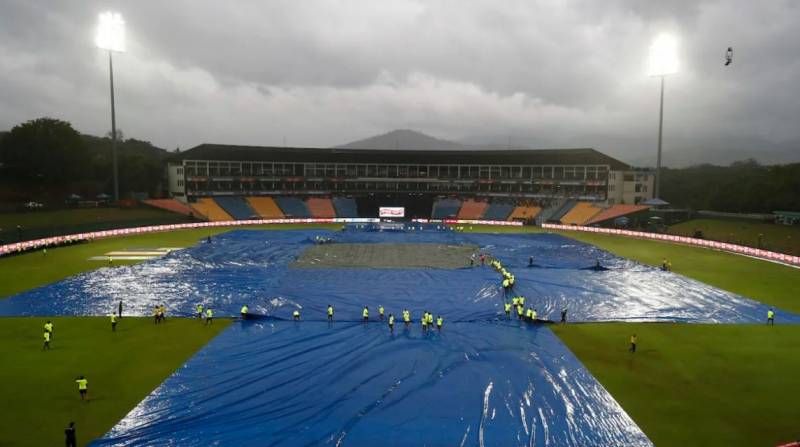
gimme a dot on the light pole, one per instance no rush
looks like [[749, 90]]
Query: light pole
[[111, 37], [663, 62]]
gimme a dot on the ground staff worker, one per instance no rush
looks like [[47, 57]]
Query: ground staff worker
[[199, 310], [83, 387], [46, 341], [296, 315], [244, 312], [48, 327], [770, 317], [69, 435], [439, 322], [633, 343], [209, 316], [507, 308], [330, 313], [406, 317], [113, 322], [380, 312], [391, 323], [365, 314]]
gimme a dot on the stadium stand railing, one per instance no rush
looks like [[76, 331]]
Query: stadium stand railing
[[615, 212], [209, 208], [237, 207], [345, 207], [525, 212], [446, 208], [498, 211], [172, 205], [472, 209], [320, 207], [293, 207], [265, 207], [581, 213], [560, 212]]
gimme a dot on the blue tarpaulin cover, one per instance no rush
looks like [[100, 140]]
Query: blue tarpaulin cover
[[484, 380]]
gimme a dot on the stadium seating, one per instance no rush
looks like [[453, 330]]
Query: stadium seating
[[265, 207], [237, 207], [498, 211], [615, 212], [446, 208], [321, 208], [560, 212], [345, 207], [293, 207], [209, 208], [172, 205], [525, 212], [581, 213], [472, 209]]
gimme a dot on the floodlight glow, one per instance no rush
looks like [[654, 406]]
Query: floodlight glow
[[663, 56], [110, 32]]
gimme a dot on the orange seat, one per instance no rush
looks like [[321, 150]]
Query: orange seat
[[581, 213], [265, 207], [321, 208], [209, 208], [525, 212], [472, 209]]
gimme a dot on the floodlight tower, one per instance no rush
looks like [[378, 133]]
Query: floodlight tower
[[663, 61], [111, 37]]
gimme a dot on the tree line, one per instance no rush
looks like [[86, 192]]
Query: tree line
[[46, 159], [743, 187]]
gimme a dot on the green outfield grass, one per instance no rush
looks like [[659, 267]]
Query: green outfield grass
[[24, 272], [780, 238], [698, 385], [763, 281], [36, 224], [40, 396]]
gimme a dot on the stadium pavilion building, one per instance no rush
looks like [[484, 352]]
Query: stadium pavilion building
[[416, 179]]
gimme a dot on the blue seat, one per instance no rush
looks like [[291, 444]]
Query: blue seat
[[446, 208], [293, 207], [498, 211], [563, 210], [345, 207], [237, 207]]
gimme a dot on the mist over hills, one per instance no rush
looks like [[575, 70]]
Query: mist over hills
[[678, 152]]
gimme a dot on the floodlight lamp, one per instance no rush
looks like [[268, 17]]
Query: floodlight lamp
[[663, 56], [110, 32]]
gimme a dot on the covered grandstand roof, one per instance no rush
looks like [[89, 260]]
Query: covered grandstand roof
[[223, 152]]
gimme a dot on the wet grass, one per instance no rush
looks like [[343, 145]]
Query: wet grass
[[775, 237], [698, 385], [40, 396], [30, 270]]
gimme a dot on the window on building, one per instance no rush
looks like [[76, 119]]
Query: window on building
[[638, 187]]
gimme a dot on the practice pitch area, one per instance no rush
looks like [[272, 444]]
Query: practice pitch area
[[484, 379]]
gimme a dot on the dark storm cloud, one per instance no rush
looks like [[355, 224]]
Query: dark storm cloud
[[326, 72]]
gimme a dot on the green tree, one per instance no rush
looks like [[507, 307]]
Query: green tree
[[43, 150]]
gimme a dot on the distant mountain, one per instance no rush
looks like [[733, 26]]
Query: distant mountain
[[637, 151], [403, 139]]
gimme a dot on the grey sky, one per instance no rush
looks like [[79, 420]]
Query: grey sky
[[322, 73]]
